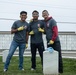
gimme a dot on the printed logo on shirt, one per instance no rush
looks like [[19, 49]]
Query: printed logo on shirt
[[47, 24], [25, 27], [38, 25]]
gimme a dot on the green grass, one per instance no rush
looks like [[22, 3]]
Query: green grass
[[69, 67]]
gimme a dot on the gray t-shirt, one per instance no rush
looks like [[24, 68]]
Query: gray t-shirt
[[48, 29], [37, 37], [20, 36]]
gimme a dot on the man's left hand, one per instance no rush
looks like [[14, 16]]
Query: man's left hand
[[41, 30], [26, 45]]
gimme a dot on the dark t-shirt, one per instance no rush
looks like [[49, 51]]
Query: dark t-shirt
[[20, 36], [48, 29], [37, 37]]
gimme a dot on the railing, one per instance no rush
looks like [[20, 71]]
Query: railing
[[67, 39]]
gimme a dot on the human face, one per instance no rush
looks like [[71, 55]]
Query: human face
[[35, 16], [45, 15], [23, 17]]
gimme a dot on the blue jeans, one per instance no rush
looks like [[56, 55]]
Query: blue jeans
[[12, 49]]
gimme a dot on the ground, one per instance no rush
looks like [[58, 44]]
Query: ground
[[69, 67]]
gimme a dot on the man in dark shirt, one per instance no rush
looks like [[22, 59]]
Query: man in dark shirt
[[35, 31], [20, 39], [51, 31]]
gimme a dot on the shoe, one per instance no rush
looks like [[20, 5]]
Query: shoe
[[32, 69], [22, 69], [5, 70], [61, 71]]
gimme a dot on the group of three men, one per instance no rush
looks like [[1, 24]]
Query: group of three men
[[35, 29]]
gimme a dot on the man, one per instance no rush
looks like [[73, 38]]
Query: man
[[35, 31], [51, 31], [20, 39]]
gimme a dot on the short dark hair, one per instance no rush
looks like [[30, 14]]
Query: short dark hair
[[35, 11], [23, 12], [45, 11]]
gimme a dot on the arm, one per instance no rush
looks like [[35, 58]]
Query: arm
[[13, 31], [41, 28], [18, 29], [27, 35], [30, 31], [54, 30], [55, 33], [14, 28]]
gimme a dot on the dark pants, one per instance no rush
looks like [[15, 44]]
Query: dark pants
[[34, 48], [56, 46]]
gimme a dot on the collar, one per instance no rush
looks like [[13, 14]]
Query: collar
[[48, 18]]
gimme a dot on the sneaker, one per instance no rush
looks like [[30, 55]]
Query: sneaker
[[5, 70], [22, 69], [32, 69]]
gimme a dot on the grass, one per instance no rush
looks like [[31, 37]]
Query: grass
[[69, 67]]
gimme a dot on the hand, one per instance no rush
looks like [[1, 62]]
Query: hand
[[41, 30], [31, 20], [20, 28], [50, 49], [31, 33], [51, 42], [26, 45]]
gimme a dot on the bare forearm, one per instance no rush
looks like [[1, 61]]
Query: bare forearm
[[13, 31], [27, 35]]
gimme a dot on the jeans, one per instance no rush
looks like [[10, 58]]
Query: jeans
[[12, 49]]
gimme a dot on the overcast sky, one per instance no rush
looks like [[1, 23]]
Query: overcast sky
[[60, 10]]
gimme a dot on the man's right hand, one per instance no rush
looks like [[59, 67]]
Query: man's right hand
[[20, 28], [31, 32], [31, 20]]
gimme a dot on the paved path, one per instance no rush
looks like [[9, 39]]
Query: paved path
[[65, 54]]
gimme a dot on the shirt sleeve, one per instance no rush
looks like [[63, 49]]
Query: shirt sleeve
[[14, 26], [55, 30]]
